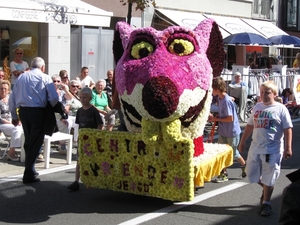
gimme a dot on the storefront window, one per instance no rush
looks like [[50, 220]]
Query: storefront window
[[262, 8], [4, 44], [14, 34], [292, 13]]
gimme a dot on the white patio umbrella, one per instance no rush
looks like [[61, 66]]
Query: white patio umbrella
[[25, 43]]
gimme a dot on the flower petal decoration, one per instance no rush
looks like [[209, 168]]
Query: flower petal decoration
[[163, 76], [162, 83], [121, 161]]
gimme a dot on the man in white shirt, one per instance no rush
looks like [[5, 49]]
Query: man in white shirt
[[84, 78]]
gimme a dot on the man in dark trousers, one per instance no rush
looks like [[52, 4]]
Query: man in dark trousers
[[32, 91], [290, 201]]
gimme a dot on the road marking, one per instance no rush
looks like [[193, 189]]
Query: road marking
[[179, 205], [41, 172]]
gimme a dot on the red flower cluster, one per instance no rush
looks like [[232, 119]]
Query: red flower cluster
[[160, 97], [215, 51]]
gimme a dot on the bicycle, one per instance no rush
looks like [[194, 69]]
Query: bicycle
[[251, 101]]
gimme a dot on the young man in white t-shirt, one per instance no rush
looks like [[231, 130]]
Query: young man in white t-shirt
[[271, 125], [84, 79]]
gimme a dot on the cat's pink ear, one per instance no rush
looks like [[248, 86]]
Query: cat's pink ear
[[121, 38], [211, 41]]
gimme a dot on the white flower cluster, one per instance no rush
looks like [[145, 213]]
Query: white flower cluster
[[189, 98], [211, 151], [196, 128]]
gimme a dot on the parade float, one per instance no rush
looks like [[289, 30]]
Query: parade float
[[163, 83]]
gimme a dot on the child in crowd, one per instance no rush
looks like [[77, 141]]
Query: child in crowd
[[279, 99], [228, 125], [269, 123], [87, 117]]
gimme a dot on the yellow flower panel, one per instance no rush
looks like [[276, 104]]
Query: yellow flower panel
[[121, 161]]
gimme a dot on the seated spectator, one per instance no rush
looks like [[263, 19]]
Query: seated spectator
[[63, 125], [75, 104], [292, 106], [64, 77], [239, 91], [238, 80], [101, 101], [285, 95], [2, 75], [108, 87], [84, 78], [278, 99], [6, 125]]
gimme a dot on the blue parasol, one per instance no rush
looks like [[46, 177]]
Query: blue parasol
[[285, 40], [246, 38]]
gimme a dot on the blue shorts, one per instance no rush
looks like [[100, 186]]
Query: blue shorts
[[233, 142]]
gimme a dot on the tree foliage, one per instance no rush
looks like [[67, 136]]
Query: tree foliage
[[140, 4]]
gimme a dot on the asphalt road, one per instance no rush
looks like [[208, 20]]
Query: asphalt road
[[49, 202]]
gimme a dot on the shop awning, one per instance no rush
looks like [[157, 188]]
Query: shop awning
[[186, 19], [73, 12], [232, 25], [228, 25], [266, 28]]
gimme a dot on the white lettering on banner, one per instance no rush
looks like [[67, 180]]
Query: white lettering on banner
[[25, 14]]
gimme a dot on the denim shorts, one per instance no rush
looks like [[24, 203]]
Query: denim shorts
[[233, 142]]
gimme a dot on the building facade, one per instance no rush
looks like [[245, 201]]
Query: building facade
[[258, 16], [72, 35], [59, 31]]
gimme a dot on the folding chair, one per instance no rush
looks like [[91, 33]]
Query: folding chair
[[4, 140]]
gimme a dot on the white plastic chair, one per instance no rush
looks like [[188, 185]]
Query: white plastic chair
[[6, 141]]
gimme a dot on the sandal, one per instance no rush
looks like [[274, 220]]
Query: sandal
[[14, 159]]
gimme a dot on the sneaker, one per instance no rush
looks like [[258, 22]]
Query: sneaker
[[265, 210], [74, 186], [243, 168], [40, 157], [220, 179]]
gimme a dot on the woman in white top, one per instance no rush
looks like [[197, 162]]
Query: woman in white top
[[17, 66], [6, 125]]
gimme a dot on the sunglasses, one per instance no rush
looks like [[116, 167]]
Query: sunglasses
[[56, 81], [19, 53], [65, 77], [75, 86]]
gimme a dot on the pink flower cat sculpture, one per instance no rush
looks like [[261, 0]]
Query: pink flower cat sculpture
[[163, 79]]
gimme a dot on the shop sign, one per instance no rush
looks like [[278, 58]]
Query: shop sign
[[25, 14]]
